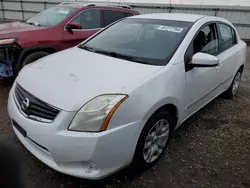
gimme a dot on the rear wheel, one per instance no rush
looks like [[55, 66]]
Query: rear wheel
[[153, 139], [233, 89]]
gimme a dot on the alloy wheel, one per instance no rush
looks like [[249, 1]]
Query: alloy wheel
[[156, 140]]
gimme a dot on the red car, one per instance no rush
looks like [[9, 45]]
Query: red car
[[52, 30]]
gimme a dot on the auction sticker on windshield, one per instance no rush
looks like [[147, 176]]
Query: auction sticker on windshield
[[63, 11], [170, 29]]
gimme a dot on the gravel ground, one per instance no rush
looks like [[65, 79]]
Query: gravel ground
[[211, 149]]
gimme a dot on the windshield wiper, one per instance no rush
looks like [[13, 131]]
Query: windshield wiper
[[87, 48], [114, 54], [121, 56]]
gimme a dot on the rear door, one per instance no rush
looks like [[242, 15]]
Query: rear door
[[91, 21], [229, 54]]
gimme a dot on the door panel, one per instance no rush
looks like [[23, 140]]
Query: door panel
[[202, 85], [227, 67], [75, 37]]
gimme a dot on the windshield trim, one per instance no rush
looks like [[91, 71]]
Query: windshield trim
[[162, 62]]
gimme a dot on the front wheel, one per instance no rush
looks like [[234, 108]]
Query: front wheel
[[31, 58], [153, 139]]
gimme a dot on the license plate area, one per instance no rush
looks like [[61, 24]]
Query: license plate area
[[19, 128]]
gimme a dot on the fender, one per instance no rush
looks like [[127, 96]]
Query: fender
[[163, 102], [49, 49]]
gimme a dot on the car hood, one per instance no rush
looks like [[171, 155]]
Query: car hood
[[12, 29], [70, 78]]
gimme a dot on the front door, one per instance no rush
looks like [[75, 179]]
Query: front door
[[91, 23], [202, 82]]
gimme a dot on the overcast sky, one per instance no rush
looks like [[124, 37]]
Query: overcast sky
[[205, 2]]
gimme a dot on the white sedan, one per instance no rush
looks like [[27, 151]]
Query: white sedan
[[115, 99]]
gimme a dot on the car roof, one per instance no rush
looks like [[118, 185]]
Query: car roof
[[79, 5], [171, 16], [76, 6]]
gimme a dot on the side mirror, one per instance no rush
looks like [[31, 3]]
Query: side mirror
[[204, 60], [73, 25]]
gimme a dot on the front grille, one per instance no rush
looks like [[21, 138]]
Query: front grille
[[33, 107]]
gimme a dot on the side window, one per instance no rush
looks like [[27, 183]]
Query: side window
[[227, 38], [110, 16], [89, 19], [206, 41], [127, 14]]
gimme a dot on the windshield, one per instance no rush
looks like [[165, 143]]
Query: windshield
[[51, 16], [146, 41]]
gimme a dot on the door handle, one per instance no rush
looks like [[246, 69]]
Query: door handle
[[218, 67], [237, 55]]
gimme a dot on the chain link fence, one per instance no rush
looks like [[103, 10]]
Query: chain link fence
[[239, 16]]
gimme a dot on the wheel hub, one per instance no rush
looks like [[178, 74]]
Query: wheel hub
[[156, 141]]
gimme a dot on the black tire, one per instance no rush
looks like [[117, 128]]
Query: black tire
[[32, 57], [231, 93], [139, 159]]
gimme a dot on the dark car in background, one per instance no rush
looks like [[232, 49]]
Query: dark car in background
[[52, 30]]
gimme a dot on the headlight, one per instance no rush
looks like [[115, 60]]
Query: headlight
[[95, 115], [7, 41]]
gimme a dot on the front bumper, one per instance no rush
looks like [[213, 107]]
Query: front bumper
[[79, 154]]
